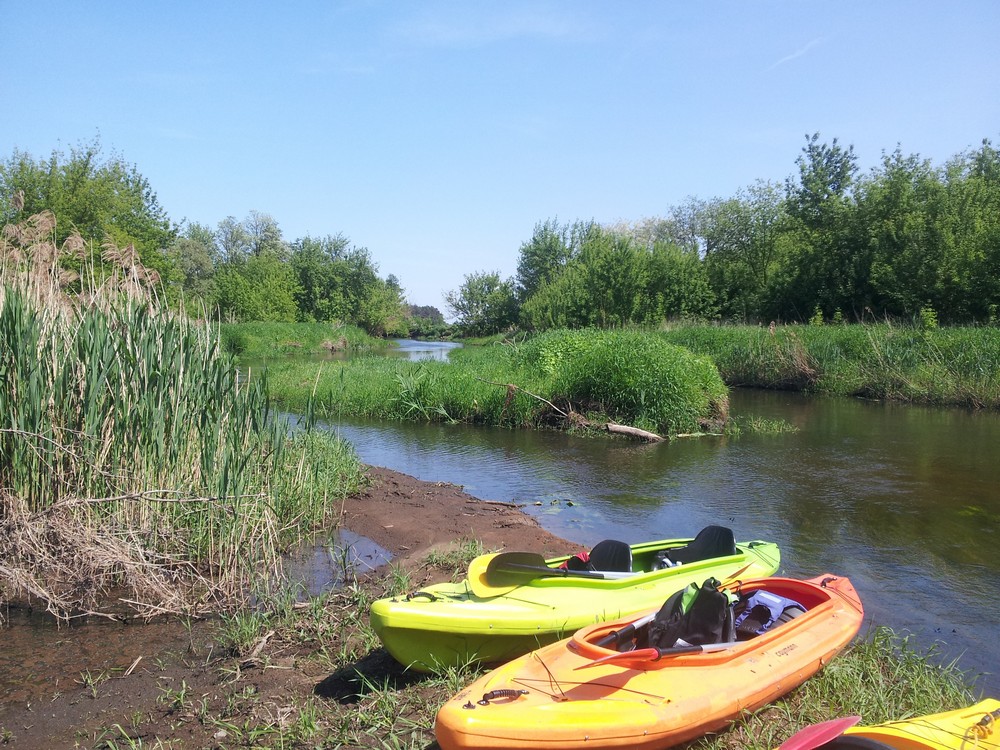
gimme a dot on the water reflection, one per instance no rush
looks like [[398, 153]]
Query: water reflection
[[902, 499], [414, 350], [324, 564]]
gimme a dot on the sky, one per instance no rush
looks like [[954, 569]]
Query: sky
[[439, 134]]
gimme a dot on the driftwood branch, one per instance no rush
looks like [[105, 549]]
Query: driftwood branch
[[619, 429], [511, 388]]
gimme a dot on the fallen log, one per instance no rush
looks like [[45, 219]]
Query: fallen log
[[621, 429]]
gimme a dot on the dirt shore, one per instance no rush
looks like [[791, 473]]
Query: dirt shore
[[167, 685], [410, 518]]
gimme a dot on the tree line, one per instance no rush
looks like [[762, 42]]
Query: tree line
[[237, 271], [906, 240]]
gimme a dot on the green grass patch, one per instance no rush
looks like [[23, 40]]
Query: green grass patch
[[271, 339], [631, 378], [938, 366]]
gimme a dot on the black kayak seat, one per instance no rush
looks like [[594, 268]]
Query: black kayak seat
[[612, 556], [712, 541]]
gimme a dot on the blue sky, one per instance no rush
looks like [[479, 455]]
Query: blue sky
[[438, 134]]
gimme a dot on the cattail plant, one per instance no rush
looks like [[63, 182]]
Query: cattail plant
[[133, 457]]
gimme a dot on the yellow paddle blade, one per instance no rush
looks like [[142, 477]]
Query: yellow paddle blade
[[476, 579]]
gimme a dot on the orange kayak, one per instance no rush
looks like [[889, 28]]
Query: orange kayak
[[577, 694]]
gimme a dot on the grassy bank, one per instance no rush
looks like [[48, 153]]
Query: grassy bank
[[133, 456], [939, 366], [560, 377], [271, 339]]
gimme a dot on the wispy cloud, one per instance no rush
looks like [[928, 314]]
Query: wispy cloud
[[797, 54], [486, 25]]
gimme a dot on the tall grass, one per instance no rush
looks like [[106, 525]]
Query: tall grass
[[258, 340], [133, 455], [941, 366], [562, 376]]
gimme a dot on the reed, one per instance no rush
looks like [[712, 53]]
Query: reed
[[134, 455]]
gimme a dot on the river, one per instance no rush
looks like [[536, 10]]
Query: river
[[904, 500]]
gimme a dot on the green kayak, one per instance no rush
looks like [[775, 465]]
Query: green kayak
[[512, 603]]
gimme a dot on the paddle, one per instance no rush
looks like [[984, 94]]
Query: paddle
[[492, 575], [655, 654], [817, 735]]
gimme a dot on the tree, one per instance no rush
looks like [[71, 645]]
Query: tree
[[677, 287], [320, 268], [195, 256], [819, 269], [100, 198], [264, 235], [261, 288], [484, 304], [232, 240], [741, 247], [548, 251], [904, 249]]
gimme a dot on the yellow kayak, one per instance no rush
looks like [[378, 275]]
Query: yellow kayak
[[976, 727], [512, 603]]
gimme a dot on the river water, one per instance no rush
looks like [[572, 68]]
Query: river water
[[904, 500]]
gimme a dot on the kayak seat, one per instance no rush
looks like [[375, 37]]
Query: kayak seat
[[711, 541], [612, 556]]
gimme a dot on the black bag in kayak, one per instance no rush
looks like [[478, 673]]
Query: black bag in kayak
[[696, 614]]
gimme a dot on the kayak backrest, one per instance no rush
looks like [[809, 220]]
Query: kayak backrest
[[712, 541], [612, 556]]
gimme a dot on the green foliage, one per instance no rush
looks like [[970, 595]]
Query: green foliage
[[426, 322], [100, 198], [905, 236], [742, 238], [131, 419], [611, 280], [484, 304], [633, 378], [544, 256], [928, 318], [195, 256], [338, 282], [260, 288]]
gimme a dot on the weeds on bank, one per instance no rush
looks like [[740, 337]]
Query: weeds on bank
[[881, 677], [361, 699], [456, 559], [92, 681]]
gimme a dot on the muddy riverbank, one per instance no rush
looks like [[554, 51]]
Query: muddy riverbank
[[169, 684]]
